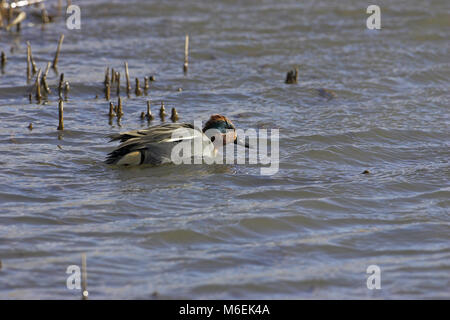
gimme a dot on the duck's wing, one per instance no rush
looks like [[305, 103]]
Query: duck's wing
[[152, 134], [153, 145]]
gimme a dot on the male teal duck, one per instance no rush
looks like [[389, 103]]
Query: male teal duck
[[155, 144]]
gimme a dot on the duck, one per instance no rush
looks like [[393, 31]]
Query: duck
[[154, 145]]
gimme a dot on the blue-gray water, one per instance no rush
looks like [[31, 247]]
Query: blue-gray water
[[311, 230]]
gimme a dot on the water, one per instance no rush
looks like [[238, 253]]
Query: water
[[311, 230]]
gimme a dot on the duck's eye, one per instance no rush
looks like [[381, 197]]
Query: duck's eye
[[213, 138]]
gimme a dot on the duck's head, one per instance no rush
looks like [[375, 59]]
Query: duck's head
[[220, 126]]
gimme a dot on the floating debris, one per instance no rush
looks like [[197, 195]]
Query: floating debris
[[138, 90], [186, 54], [152, 78], [61, 115], [58, 50], [142, 115], [365, 172], [174, 117], [30, 126], [325, 93], [292, 76], [180, 89]]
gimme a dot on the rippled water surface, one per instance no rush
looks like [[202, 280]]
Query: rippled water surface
[[225, 231]]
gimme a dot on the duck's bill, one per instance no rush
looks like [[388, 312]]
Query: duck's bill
[[241, 143]]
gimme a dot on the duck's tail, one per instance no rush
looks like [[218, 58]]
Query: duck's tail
[[125, 157]]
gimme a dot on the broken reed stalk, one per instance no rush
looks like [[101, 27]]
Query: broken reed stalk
[[292, 76], [138, 90], [84, 292], [146, 85], [45, 84], [111, 110], [186, 54], [60, 85], [58, 50], [59, 7], [33, 64], [113, 76], [66, 89], [28, 62], [44, 15], [47, 69], [106, 81], [3, 60], [119, 107], [162, 111], [61, 114], [118, 82], [149, 112], [38, 86], [174, 117], [127, 75], [20, 17], [107, 92]]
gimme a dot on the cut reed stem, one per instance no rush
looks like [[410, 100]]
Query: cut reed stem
[[138, 90], [38, 86], [127, 75], [84, 292], [58, 50], [61, 115], [3, 60], [186, 54], [28, 61], [149, 112], [174, 117], [118, 83], [111, 109], [146, 85]]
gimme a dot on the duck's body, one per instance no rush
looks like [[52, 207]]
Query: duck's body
[[155, 145]]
